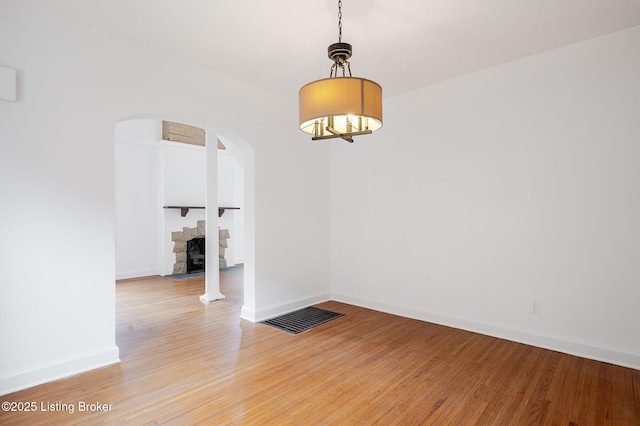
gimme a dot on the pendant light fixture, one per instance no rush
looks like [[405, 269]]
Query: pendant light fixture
[[340, 106]]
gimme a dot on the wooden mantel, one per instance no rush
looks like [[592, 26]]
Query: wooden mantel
[[185, 209]]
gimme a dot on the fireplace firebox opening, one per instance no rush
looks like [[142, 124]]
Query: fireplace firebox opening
[[196, 260]]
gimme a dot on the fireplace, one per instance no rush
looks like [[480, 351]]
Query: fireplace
[[196, 255], [189, 248]]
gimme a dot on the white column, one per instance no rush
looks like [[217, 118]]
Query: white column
[[212, 269]]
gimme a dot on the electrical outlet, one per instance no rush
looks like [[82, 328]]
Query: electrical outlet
[[535, 307]]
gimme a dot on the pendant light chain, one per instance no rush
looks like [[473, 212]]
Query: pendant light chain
[[340, 60], [339, 21]]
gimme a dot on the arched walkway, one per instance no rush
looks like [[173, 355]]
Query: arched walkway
[[242, 152]]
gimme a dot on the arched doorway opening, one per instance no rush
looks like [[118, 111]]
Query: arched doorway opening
[[152, 173]]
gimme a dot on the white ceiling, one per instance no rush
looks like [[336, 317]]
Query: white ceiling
[[280, 45]]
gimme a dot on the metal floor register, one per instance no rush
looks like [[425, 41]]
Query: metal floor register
[[302, 320]]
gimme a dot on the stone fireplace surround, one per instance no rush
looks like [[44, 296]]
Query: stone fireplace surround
[[180, 239]]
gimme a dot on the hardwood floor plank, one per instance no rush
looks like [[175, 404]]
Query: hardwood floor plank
[[605, 395], [184, 362], [586, 396]]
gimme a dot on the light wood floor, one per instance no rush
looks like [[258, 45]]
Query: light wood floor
[[184, 363]]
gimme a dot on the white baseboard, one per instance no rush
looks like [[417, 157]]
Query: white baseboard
[[136, 274], [248, 314], [582, 348], [284, 308], [59, 369]]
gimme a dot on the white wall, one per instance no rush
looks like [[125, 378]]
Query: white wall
[[490, 191], [136, 198], [75, 83], [231, 194], [185, 174]]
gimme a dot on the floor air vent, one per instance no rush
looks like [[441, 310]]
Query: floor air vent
[[302, 320]]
